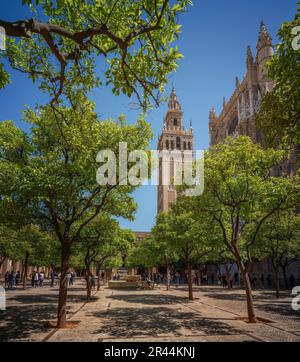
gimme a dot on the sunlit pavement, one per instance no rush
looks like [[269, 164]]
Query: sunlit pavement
[[152, 315]]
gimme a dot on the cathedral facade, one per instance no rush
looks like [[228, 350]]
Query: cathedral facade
[[238, 114], [174, 137]]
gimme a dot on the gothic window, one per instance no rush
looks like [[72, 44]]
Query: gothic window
[[233, 125], [167, 144], [189, 146], [172, 144], [175, 122], [178, 143], [184, 145]]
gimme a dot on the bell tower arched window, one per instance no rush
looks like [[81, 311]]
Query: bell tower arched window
[[175, 122], [178, 143]]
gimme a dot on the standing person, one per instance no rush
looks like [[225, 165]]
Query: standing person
[[224, 281], [18, 276], [32, 279], [52, 277], [36, 279], [6, 278], [68, 278], [212, 279], [102, 277], [177, 279], [71, 278], [41, 278], [11, 279]]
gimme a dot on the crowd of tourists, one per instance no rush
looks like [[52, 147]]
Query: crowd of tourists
[[12, 279], [225, 280], [37, 278]]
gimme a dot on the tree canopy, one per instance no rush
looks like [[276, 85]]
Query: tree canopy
[[64, 42]]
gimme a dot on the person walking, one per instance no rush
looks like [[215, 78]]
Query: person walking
[[71, 278]]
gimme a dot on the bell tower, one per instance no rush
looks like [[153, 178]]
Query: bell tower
[[174, 137]]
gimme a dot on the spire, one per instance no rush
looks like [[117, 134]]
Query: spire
[[224, 102], [264, 37], [191, 125], [212, 115], [173, 101], [249, 57]]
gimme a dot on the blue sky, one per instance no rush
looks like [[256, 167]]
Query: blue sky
[[214, 40]]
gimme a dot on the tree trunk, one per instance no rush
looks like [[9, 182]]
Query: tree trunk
[[277, 282], [286, 281], [247, 285], [190, 282], [25, 270], [2, 260], [168, 277], [98, 281], [227, 275], [63, 285], [88, 280]]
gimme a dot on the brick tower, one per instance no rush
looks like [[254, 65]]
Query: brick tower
[[173, 137]]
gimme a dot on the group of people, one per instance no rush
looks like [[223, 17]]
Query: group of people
[[116, 276], [12, 279], [37, 279]]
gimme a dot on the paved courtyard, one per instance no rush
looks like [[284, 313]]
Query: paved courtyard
[[156, 315]]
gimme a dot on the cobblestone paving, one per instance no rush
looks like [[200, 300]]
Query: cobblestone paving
[[155, 315]]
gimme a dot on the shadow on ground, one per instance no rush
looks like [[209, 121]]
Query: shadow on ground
[[149, 299], [45, 298], [284, 310], [26, 314], [231, 295], [128, 322], [21, 322]]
